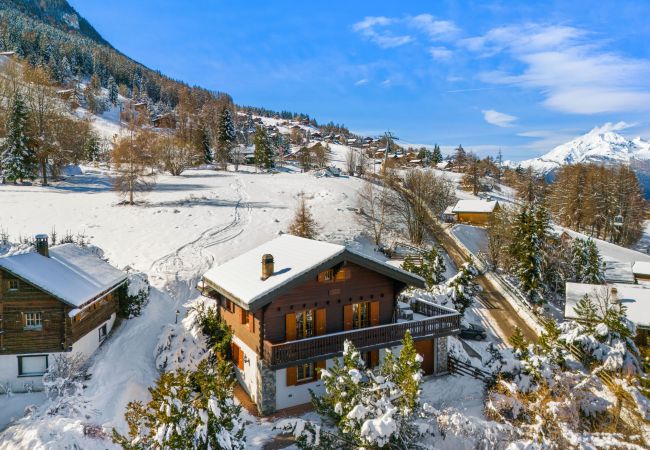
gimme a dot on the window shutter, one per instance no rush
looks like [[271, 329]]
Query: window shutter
[[251, 322], [317, 366], [292, 376], [374, 313], [321, 277], [234, 353], [321, 321], [341, 275], [240, 362], [290, 322], [243, 314], [374, 358], [347, 317]]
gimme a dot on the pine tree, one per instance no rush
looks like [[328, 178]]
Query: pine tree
[[18, 159], [226, 137], [432, 268], [303, 224], [518, 341], [436, 156], [187, 410], [462, 287], [112, 91], [585, 311], [594, 264], [263, 149], [205, 145]]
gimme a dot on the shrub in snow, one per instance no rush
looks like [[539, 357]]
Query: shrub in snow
[[187, 410], [555, 402], [65, 375], [216, 331], [135, 296], [303, 223], [363, 408], [432, 268]]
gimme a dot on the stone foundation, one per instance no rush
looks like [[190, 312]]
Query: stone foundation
[[265, 389], [440, 356]]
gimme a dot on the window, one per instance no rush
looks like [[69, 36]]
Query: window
[[32, 366], [360, 315], [237, 355], [244, 316], [305, 324], [33, 321], [306, 372], [13, 285], [228, 305], [103, 332]]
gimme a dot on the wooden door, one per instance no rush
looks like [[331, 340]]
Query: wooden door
[[425, 349]]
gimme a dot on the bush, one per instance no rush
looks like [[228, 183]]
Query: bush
[[216, 331], [134, 296]]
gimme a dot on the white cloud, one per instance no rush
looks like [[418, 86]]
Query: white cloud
[[574, 73], [435, 29], [498, 118], [387, 32], [368, 27], [440, 53], [361, 82]]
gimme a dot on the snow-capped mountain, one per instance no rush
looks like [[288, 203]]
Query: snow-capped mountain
[[598, 145]]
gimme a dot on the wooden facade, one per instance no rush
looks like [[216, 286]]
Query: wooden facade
[[330, 298], [474, 218], [21, 303]]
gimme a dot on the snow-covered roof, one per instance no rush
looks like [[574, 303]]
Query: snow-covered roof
[[619, 272], [449, 210], [72, 273], [477, 206], [635, 298], [294, 257], [641, 268]]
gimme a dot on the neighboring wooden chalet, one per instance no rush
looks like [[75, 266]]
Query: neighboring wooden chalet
[[641, 270], [475, 212], [166, 120], [56, 300], [292, 303], [634, 297]]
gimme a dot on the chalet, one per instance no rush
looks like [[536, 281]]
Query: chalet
[[166, 120], [293, 302], [634, 297], [53, 301], [474, 212], [618, 272], [641, 271]]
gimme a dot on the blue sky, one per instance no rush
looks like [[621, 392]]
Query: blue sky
[[521, 76]]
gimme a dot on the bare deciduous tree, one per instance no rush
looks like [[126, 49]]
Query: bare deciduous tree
[[374, 209], [131, 165]]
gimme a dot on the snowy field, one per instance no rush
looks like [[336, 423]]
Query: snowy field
[[177, 231]]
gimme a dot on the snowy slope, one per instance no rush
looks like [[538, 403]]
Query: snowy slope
[[598, 145]]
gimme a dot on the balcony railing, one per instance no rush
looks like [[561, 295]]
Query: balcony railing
[[316, 348]]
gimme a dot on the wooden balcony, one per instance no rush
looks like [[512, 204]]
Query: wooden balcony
[[316, 348]]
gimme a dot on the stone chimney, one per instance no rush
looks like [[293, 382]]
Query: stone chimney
[[267, 266], [42, 245]]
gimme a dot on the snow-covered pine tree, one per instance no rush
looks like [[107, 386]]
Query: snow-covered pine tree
[[436, 155], [18, 159], [112, 91], [206, 145], [225, 138], [586, 262], [369, 409], [187, 410], [303, 224], [432, 268], [462, 293], [263, 149], [530, 228]]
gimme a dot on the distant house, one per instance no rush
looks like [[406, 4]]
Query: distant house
[[641, 271], [448, 215], [293, 302], [53, 301], [166, 120], [444, 165], [475, 212], [635, 298]]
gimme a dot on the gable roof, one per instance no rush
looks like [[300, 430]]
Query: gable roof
[[641, 268], [295, 260], [635, 298], [475, 206], [71, 274]]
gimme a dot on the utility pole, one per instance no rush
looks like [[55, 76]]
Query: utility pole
[[389, 141]]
